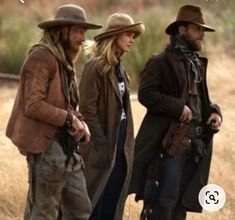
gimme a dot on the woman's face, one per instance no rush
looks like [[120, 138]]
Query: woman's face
[[125, 40]]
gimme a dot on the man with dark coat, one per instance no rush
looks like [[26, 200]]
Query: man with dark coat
[[174, 144], [45, 124]]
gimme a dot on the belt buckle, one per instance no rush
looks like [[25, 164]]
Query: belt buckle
[[198, 130]]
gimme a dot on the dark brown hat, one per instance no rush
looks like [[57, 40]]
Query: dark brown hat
[[188, 14], [119, 23], [69, 14]]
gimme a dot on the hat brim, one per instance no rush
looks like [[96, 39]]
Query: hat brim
[[172, 27], [62, 22], [137, 28]]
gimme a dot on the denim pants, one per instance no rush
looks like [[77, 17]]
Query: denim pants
[[53, 187], [175, 176]]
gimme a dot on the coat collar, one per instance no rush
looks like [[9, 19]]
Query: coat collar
[[113, 79]]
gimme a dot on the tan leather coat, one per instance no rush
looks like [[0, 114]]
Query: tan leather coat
[[39, 107]]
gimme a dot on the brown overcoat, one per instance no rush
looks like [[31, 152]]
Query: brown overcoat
[[163, 89], [101, 105], [40, 104]]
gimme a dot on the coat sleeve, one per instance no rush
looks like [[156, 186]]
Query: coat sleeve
[[89, 90], [36, 73], [154, 88]]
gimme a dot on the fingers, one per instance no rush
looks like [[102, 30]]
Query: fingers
[[78, 134], [186, 115], [87, 138], [215, 121], [87, 133], [210, 119], [78, 130]]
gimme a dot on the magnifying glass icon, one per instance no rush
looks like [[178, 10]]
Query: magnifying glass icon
[[212, 197]]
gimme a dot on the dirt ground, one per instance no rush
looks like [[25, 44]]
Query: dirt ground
[[13, 169]]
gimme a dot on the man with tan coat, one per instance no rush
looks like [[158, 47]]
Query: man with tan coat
[[44, 123]]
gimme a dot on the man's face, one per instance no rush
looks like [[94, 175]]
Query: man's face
[[193, 34], [76, 37], [73, 38]]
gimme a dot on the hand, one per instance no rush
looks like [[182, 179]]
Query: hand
[[78, 129], [215, 121], [87, 133], [186, 115]]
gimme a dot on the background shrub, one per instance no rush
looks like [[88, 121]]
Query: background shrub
[[18, 28]]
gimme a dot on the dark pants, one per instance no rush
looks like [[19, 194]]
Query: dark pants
[[176, 174], [106, 206]]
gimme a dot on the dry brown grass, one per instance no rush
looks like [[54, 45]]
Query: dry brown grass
[[13, 170]]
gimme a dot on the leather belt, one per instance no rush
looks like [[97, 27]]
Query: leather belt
[[195, 131]]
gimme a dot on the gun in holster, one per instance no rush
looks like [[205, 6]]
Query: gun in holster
[[175, 138], [69, 143]]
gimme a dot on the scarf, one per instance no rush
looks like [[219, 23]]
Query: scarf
[[181, 50], [67, 71]]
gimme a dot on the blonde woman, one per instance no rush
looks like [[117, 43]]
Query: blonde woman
[[105, 104]]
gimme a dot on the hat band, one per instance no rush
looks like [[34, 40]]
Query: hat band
[[73, 17], [193, 20], [113, 27]]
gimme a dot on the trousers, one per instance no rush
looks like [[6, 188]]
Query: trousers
[[175, 176], [52, 186]]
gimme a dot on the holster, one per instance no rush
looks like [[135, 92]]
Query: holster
[[175, 138], [69, 144]]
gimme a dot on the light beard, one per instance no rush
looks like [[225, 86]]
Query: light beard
[[71, 53], [193, 46]]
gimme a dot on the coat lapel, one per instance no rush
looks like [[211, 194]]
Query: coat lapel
[[126, 80], [179, 72], [114, 83]]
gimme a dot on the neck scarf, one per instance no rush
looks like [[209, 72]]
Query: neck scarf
[[67, 71], [181, 49]]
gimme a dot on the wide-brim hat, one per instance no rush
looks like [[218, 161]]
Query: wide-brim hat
[[119, 23], [188, 14], [69, 14]]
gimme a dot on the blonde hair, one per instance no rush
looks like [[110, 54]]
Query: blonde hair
[[55, 36], [107, 52]]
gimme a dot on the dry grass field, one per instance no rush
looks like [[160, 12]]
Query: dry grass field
[[13, 169]]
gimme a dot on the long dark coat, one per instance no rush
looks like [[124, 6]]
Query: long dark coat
[[101, 105], [163, 88]]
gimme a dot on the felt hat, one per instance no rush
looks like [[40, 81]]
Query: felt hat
[[69, 14], [119, 23], [188, 14]]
